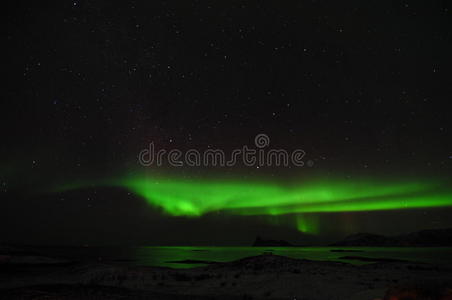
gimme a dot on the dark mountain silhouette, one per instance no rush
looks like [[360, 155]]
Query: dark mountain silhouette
[[423, 238]]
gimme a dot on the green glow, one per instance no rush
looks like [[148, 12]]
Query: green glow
[[307, 223], [193, 198]]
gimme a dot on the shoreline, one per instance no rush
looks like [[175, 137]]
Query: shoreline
[[266, 276]]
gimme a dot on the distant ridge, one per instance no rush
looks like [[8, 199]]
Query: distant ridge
[[423, 238]]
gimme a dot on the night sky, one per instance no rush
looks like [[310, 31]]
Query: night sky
[[362, 87]]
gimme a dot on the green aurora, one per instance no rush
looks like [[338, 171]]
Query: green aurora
[[194, 198]]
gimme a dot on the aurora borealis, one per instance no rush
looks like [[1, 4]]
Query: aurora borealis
[[193, 198], [93, 84]]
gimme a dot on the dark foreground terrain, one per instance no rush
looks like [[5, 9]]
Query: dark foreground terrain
[[259, 277]]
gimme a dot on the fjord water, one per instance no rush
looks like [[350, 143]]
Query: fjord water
[[187, 257], [190, 256]]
